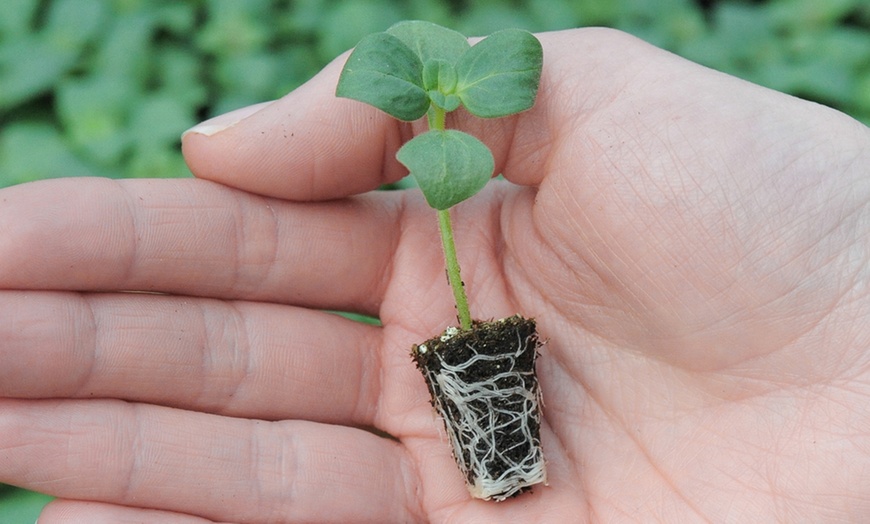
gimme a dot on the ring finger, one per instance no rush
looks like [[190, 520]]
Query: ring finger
[[216, 467]]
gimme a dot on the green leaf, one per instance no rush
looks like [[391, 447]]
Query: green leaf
[[446, 102], [383, 72], [499, 76], [430, 41], [449, 166], [440, 75]]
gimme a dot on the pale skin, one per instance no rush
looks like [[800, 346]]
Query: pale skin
[[694, 248]]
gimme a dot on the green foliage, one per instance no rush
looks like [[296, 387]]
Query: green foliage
[[400, 71], [417, 67], [383, 72], [449, 166], [499, 75], [430, 41], [426, 68]]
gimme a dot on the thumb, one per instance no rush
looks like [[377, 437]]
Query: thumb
[[308, 145]]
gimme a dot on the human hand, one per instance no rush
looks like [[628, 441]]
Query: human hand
[[693, 248]]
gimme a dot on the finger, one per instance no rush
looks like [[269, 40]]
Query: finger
[[241, 359], [197, 238], [309, 145], [214, 467], [61, 511]]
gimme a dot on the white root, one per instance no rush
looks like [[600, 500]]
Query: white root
[[479, 414]]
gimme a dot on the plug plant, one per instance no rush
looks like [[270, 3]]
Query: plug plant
[[481, 374]]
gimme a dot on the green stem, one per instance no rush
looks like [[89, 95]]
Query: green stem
[[453, 276], [437, 120]]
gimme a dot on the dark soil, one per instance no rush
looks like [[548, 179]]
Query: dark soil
[[496, 396]]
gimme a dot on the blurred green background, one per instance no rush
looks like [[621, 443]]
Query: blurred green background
[[106, 87]]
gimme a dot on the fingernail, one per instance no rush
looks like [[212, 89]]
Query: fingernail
[[215, 125]]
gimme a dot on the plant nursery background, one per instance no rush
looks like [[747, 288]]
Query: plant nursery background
[[106, 87]]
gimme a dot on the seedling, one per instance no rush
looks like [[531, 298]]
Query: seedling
[[481, 375]]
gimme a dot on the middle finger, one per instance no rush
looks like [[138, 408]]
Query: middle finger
[[238, 358]]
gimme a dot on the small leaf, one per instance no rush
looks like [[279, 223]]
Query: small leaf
[[430, 73], [430, 41], [383, 72], [446, 102], [440, 75], [447, 78], [449, 166], [499, 76]]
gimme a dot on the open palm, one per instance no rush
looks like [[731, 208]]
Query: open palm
[[693, 248]]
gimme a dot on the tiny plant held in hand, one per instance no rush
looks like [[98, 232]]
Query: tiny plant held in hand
[[481, 375]]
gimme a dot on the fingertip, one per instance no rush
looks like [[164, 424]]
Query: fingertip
[[215, 125]]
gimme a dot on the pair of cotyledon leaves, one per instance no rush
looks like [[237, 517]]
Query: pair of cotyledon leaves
[[417, 66]]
